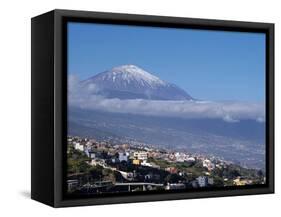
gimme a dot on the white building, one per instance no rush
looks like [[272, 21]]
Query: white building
[[78, 146], [190, 159], [210, 181], [208, 164], [140, 155], [123, 156], [146, 164], [180, 157], [202, 181], [92, 155]]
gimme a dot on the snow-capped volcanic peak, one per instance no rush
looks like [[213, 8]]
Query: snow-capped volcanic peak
[[132, 73], [132, 82]]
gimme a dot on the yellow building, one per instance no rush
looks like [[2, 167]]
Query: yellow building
[[136, 162], [240, 182]]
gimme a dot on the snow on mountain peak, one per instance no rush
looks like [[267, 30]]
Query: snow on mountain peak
[[135, 73]]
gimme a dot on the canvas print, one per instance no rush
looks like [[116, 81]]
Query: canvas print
[[153, 109]]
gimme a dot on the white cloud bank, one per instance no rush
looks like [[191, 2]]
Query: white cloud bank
[[228, 111]]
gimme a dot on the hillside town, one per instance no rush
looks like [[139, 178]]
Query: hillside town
[[98, 167]]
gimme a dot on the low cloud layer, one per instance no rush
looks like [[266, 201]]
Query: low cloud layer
[[86, 98]]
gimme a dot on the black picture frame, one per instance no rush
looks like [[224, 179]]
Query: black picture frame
[[49, 104]]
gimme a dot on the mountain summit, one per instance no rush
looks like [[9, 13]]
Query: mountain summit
[[132, 82]]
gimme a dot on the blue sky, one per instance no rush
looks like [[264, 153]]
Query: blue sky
[[210, 65]]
